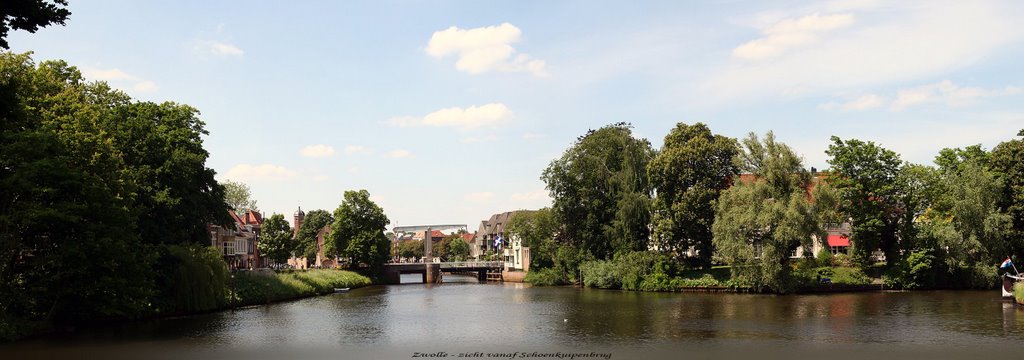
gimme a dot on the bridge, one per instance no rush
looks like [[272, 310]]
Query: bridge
[[432, 271]]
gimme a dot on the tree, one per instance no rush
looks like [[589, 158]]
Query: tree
[[411, 249], [276, 240], [30, 15], [305, 239], [64, 200], [601, 193], [458, 249], [689, 173], [536, 230], [760, 221], [358, 230], [176, 194], [238, 196], [1007, 162], [964, 218], [868, 178]]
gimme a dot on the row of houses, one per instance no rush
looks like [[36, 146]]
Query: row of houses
[[237, 243]]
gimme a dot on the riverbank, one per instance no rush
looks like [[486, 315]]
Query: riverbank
[[267, 286], [242, 288]]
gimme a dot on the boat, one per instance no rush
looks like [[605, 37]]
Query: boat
[[1008, 281], [341, 290]]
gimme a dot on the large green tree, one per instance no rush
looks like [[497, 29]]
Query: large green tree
[[94, 186], [457, 249], [175, 195], [689, 173], [762, 219], [305, 239], [873, 192], [1007, 161], [601, 193], [964, 219], [238, 196], [276, 241], [358, 230], [30, 15], [536, 230]]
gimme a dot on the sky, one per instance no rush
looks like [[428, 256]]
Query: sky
[[448, 111]]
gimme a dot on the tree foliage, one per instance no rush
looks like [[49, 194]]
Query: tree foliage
[[358, 230], [600, 187], [689, 173], [536, 230], [873, 192], [305, 239], [412, 249], [456, 248], [238, 196], [1007, 161], [94, 187], [30, 15], [276, 241], [760, 221]]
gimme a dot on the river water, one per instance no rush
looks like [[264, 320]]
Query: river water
[[469, 318]]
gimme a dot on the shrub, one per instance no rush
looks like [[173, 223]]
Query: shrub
[[546, 277], [824, 257], [707, 280], [843, 260], [1018, 292], [601, 274]]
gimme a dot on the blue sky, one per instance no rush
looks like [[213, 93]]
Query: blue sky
[[448, 111]]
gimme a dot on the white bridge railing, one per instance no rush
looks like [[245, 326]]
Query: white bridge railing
[[471, 264]]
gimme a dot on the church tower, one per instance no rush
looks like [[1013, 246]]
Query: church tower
[[297, 221]]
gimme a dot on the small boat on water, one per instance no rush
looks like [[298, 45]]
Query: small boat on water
[[341, 290], [1008, 281]]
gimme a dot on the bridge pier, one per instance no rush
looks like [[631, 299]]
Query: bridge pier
[[433, 273]]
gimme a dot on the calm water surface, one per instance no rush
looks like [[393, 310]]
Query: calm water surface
[[468, 315]]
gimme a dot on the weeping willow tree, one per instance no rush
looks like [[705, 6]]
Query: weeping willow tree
[[198, 282], [602, 197], [765, 216]]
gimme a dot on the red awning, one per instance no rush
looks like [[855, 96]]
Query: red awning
[[838, 240]]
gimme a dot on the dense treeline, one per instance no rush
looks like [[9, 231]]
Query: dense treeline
[[104, 200], [628, 216]]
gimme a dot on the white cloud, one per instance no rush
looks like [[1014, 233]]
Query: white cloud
[[948, 93], [865, 102], [484, 49], [478, 139], [146, 86], [223, 49], [791, 33], [473, 117], [107, 75], [120, 79], [261, 172], [479, 197], [890, 43], [352, 149], [320, 178], [399, 153], [318, 151], [534, 136], [944, 92]]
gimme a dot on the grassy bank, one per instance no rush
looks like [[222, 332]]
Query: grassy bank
[[261, 287], [1018, 292]]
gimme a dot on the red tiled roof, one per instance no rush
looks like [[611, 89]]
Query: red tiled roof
[[838, 240], [468, 238], [436, 233]]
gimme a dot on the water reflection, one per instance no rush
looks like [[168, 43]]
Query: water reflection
[[463, 312]]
